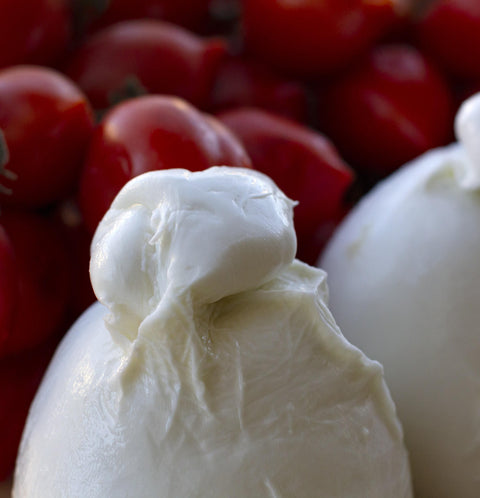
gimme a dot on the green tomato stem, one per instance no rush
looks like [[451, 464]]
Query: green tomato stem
[[4, 159]]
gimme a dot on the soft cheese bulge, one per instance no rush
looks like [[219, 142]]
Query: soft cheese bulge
[[211, 365]]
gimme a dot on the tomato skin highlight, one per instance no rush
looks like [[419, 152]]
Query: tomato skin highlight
[[160, 57], [149, 133], [303, 163], [392, 106], [34, 31], [309, 38], [43, 280], [47, 123]]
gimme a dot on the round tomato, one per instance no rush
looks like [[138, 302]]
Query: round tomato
[[42, 286], [391, 107], [302, 162], [450, 33], [46, 122], [311, 37], [149, 133], [145, 56], [245, 82], [33, 31]]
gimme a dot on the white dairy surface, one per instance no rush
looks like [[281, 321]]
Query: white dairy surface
[[212, 367], [404, 278]]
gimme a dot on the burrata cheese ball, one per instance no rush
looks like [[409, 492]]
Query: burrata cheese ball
[[404, 278], [210, 366]]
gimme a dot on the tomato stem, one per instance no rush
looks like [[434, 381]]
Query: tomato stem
[[4, 159], [130, 88], [4, 154]]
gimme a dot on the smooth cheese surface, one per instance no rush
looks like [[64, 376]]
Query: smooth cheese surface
[[404, 279], [212, 366]]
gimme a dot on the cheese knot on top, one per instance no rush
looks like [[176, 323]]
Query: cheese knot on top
[[206, 234]]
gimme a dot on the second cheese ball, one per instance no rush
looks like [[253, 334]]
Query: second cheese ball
[[403, 271]]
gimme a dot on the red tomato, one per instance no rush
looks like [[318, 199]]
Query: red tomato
[[41, 291], [311, 37], [191, 14], [303, 163], [450, 33], [78, 239], [465, 90], [20, 376], [33, 31], [47, 123], [8, 280], [157, 57], [310, 245], [243, 82], [388, 109], [150, 133]]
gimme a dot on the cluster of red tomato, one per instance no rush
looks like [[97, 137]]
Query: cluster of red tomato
[[299, 89]]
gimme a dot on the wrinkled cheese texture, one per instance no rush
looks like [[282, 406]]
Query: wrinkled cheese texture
[[404, 278], [211, 367]]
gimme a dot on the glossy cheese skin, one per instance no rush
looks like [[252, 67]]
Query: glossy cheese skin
[[404, 278], [212, 366]]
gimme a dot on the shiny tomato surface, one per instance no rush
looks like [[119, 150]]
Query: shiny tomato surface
[[311, 37], [387, 109], [47, 123], [302, 162], [145, 56], [150, 133]]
